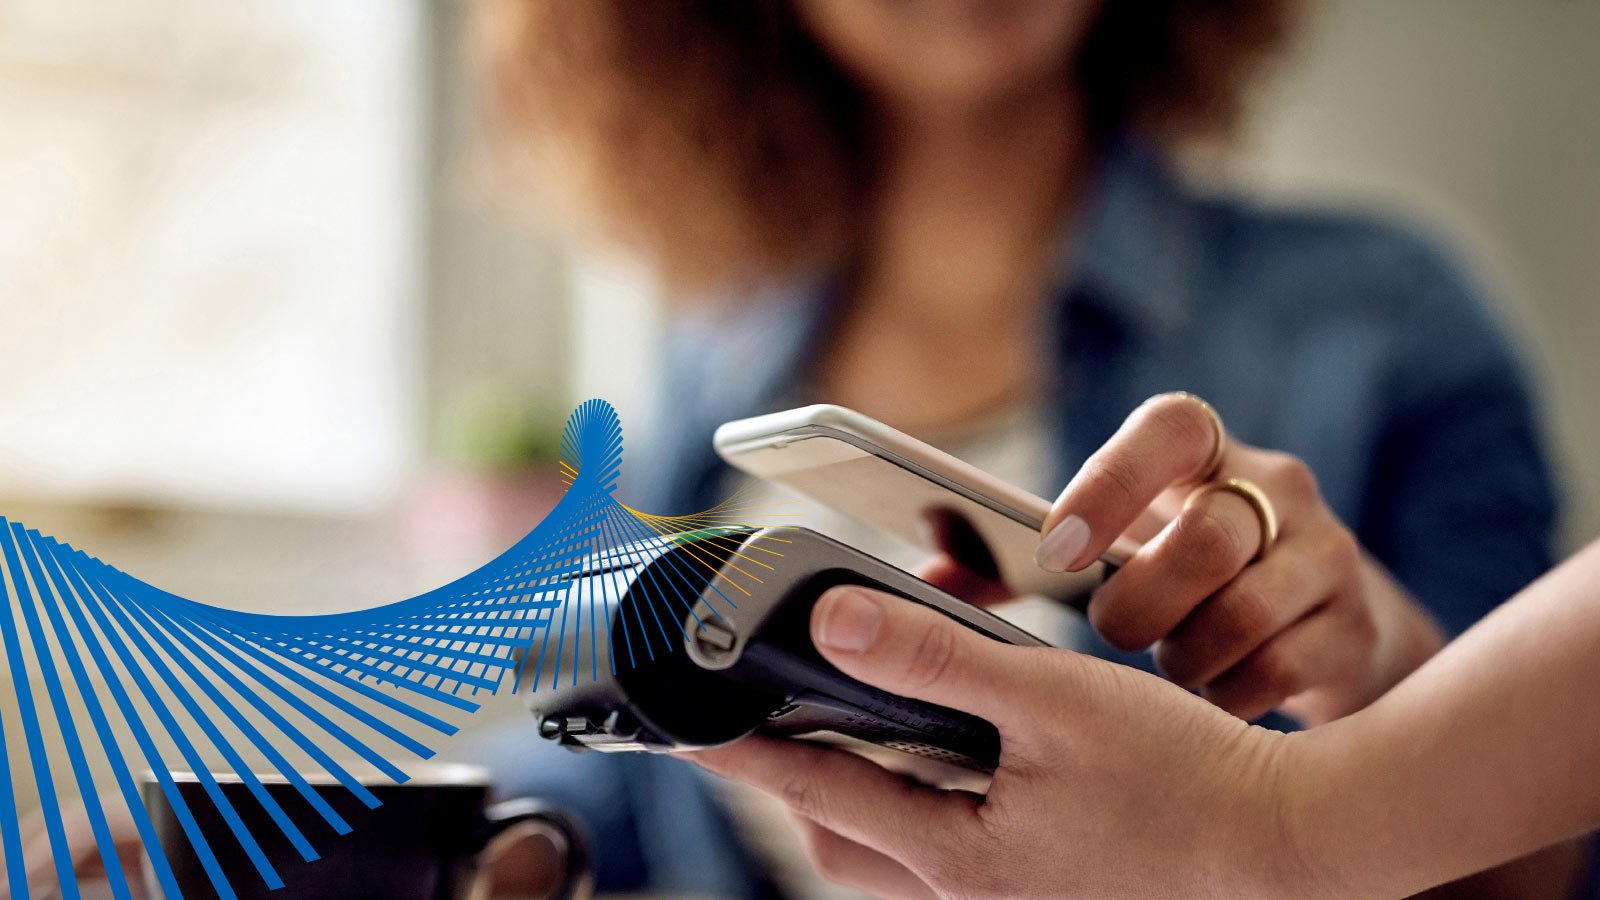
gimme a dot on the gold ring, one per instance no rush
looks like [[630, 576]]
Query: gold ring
[[1266, 515], [1219, 443]]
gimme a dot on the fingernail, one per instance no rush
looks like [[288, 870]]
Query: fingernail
[[849, 620], [1063, 545]]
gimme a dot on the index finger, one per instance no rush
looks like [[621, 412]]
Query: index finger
[[1169, 439], [847, 794]]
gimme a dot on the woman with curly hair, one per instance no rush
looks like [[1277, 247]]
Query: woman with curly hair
[[961, 217]]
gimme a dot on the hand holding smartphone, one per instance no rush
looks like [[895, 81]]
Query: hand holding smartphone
[[888, 479]]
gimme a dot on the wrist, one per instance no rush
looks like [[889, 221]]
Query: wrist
[[1348, 807], [1290, 813], [1315, 777], [1280, 848]]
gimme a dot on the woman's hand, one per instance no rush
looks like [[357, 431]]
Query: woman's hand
[[1103, 769], [1310, 623]]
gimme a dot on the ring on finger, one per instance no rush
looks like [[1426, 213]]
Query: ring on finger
[[1266, 514]]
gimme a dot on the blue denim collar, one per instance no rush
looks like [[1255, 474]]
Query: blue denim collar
[[1132, 257], [1135, 252]]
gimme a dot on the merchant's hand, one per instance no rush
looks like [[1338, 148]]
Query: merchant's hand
[[1111, 782]]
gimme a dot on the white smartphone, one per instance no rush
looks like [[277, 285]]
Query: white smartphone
[[892, 481]]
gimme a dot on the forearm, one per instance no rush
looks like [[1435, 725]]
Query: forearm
[[1412, 638], [1484, 754], [1550, 874]]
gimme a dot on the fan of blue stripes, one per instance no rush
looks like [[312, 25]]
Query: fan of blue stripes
[[136, 678]]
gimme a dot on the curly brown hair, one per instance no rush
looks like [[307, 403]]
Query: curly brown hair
[[719, 137]]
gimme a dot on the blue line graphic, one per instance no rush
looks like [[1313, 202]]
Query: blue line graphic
[[133, 674]]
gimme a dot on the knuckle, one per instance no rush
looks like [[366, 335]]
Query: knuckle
[[1117, 473], [1118, 622], [1292, 477], [1275, 673], [800, 790], [1244, 613], [1212, 546], [1036, 666], [1224, 629], [1364, 634], [799, 793], [1361, 632], [1341, 553], [1179, 419], [933, 658], [1179, 661]]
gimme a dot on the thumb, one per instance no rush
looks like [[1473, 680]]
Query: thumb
[[916, 652]]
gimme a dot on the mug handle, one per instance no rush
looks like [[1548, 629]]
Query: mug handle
[[509, 821]]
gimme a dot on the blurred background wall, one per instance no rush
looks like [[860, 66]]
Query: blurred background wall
[[266, 343], [1475, 119], [1478, 119]]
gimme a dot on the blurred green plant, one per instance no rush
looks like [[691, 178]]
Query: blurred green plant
[[496, 428]]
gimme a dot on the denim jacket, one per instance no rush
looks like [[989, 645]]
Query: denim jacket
[[1350, 344], [1353, 345]]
